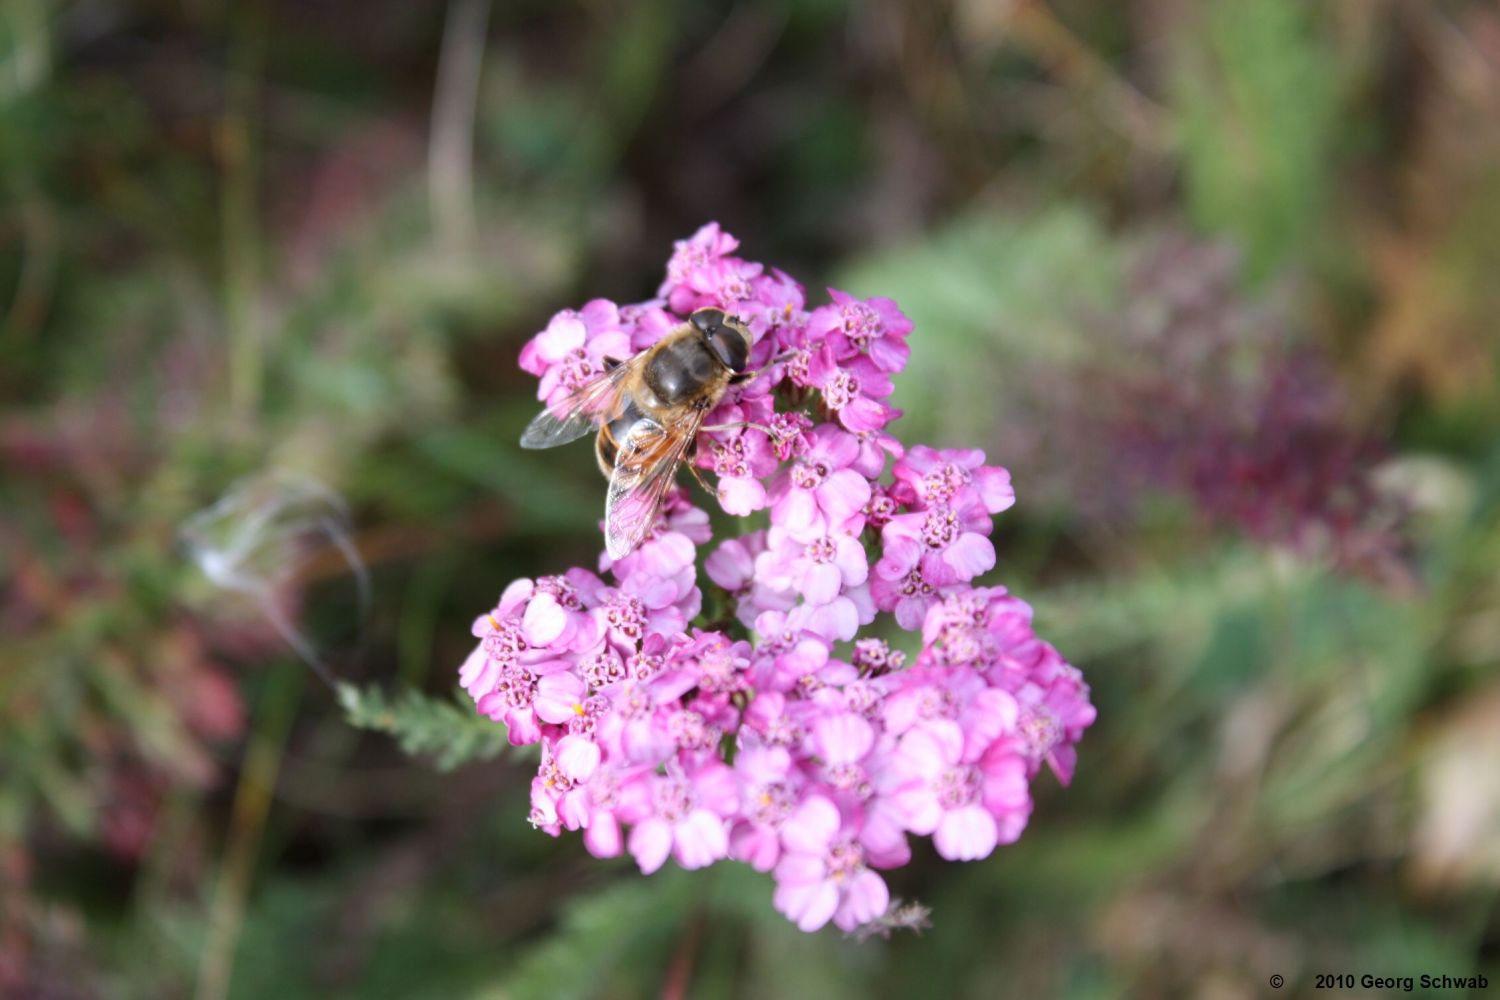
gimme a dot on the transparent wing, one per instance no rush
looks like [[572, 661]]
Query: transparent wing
[[645, 469], [580, 411]]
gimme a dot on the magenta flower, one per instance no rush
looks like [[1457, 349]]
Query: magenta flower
[[686, 818], [927, 477], [823, 875], [947, 545], [874, 328], [852, 390], [699, 727], [573, 348], [820, 487], [702, 272], [968, 807], [816, 563]]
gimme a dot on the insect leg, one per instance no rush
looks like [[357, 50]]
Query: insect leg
[[742, 423], [698, 475]]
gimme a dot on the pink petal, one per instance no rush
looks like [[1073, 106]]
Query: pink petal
[[478, 674], [889, 353], [910, 611], [838, 620], [557, 695], [966, 834], [650, 842], [741, 496], [865, 898], [717, 789], [757, 846], [843, 493], [971, 555], [577, 757], [988, 714], [993, 484], [918, 808], [516, 594], [544, 620], [602, 836], [809, 907], [730, 565], [700, 839], [821, 582], [851, 560], [883, 836], [797, 511], [811, 827], [564, 334], [864, 415], [843, 738], [933, 746], [800, 869]]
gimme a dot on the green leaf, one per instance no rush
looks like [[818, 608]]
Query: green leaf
[[439, 728]]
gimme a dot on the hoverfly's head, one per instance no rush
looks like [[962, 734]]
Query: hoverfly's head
[[729, 341]]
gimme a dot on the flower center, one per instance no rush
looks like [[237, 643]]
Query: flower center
[[1040, 732], [674, 800], [626, 615], [506, 642], [844, 859], [786, 434], [939, 528], [861, 325], [841, 390], [937, 703], [881, 508], [692, 732], [915, 584], [849, 778], [960, 644], [644, 666], [956, 786], [874, 656], [586, 716], [730, 460], [553, 777], [718, 670], [602, 669], [633, 703], [770, 804], [797, 367], [809, 475], [517, 686], [563, 591], [576, 368], [939, 485], [821, 551]]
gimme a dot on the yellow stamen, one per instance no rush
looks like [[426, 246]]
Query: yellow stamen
[[493, 624], [577, 709]]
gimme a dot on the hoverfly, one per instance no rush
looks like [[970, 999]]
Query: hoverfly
[[648, 411]]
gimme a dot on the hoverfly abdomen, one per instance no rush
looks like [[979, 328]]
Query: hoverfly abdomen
[[607, 444]]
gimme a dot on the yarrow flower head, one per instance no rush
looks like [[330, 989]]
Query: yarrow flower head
[[723, 718]]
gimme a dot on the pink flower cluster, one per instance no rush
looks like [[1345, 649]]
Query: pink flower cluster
[[758, 724]]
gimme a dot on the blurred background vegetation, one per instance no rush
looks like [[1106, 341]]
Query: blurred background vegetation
[[1216, 280]]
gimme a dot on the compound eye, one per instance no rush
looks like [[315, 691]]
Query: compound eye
[[707, 320], [729, 344]]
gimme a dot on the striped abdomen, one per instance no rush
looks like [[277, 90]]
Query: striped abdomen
[[607, 444]]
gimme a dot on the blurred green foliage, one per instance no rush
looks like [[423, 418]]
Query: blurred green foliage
[[223, 250]]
